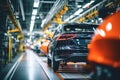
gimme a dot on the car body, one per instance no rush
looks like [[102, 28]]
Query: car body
[[70, 44]]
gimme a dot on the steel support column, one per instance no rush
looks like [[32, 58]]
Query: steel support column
[[10, 49]]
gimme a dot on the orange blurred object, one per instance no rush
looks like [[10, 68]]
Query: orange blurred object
[[44, 46], [104, 47]]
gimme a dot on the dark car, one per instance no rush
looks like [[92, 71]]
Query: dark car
[[70, 44]]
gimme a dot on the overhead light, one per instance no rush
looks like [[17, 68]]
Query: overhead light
[[88, 4], [5, 34], [28, 34], [79, 6], [32, 22], [78, 11], [69, 18], [34, 12], [36, 3], [37, 17], [32, 25], [33, 18]]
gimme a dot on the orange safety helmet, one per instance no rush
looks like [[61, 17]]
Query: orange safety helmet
[[104, 47]]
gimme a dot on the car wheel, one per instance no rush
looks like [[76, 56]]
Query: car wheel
[[55, 64], [48, 61]]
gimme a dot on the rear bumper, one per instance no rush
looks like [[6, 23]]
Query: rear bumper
[[74, 57]]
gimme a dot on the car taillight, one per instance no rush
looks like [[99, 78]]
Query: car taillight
[[66, 37]]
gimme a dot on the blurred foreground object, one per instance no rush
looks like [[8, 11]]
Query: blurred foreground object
[[104, 49]]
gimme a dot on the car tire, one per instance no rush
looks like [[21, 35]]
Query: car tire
[[55, 64], [48, 61]]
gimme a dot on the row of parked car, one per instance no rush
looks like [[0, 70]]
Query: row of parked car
[[70, 44]]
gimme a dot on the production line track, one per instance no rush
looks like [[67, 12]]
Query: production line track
[[28, 67]]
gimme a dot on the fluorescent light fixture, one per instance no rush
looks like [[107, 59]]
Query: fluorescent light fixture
[[32, 25], [88, 4], [33, 18], [5, 34], [36, 3], [69, 18], [43, 21], [78, 11], [79, 6], [34, 12], [32, 22]]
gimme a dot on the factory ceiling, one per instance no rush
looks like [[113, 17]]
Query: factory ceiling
[[43, 12]]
